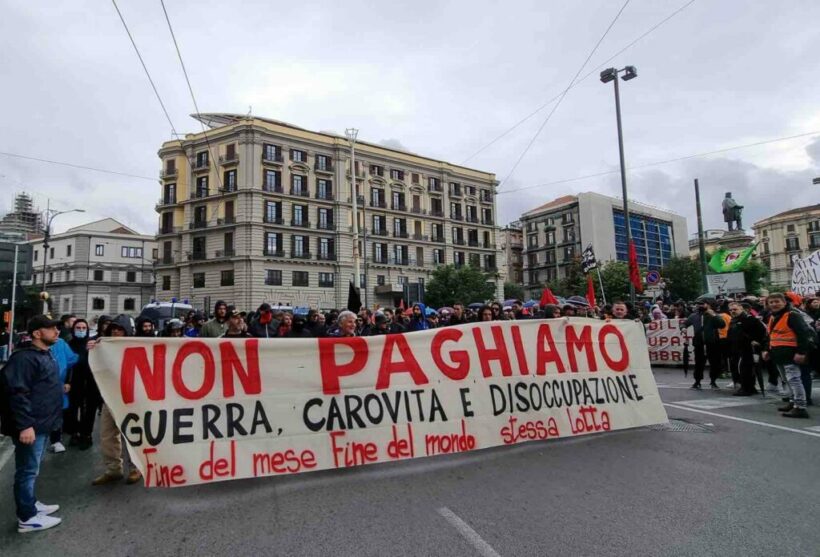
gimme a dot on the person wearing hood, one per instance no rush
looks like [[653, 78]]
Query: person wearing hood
[[102, 325], [173, 328], [84, 398], [657, 313], [217, 326], [418, 321], [110, 436], [145, 327], [67, 323], [298, 328], [264, 325]]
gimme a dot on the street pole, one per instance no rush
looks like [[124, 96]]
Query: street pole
[[357, 266], [701, 241], [623, 181], [13, 300], [46, 232]]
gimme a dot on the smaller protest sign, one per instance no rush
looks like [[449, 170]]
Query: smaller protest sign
[[806, 274]]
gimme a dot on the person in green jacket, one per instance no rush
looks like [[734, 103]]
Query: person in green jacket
[[217, 326]]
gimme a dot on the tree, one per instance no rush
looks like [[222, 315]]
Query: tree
[[615, 275], [682, 278], [513, 291], [755, 274], [449, 285]]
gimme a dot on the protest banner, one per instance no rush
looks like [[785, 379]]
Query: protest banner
[[202, 410], [806, 274], [665, 341]]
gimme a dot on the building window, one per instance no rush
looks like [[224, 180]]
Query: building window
[[324, 189], [226, 278], [199, 280], [271, 153], [438, 256], [68, 275], [397, 175], [792, 244], [273, 212], [229, 180], [166, 282], [298, 185], [323, 162], [380, 280], [98, 274], [201, 187], [326, 248], [130, 276], [202, 159], [273, 243], [298, 156], [326, 280], [68, 250], [300, 278], [97, 304], [51, 277], [550, 237], [789, 228], [129, 304], [325, 219], [273, 277], [131, 253], [36, 254], [376, 170], [273, 180], [99, 250]]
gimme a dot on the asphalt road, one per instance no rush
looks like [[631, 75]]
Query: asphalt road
[[733, 483]]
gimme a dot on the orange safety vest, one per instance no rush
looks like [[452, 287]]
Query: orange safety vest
[[780, 334], [724, 332]]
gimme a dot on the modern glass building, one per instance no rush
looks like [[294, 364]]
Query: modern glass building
[[653, 239]]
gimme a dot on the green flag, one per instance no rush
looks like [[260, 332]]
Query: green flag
[[731, 260]]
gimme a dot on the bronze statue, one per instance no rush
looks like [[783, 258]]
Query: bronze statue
[[732, 212]]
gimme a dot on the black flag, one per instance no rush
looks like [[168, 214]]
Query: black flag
[[354, 301], [588, 261]]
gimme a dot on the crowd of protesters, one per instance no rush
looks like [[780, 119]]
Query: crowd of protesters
[[49, 391]]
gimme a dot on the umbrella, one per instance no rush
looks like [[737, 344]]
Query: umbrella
[[578, 301], [475, 305], [510, 302], [445, 309], [530, 303], [430, 311]]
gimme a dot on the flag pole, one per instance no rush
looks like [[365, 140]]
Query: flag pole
[[601, 282]]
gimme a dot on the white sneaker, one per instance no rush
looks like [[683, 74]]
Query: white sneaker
[[37, 522], [42, 508], [57, 448]]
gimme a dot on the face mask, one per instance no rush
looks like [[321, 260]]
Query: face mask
[[80, 334]]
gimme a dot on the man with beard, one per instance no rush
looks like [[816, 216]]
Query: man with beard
[[458, 317], [145, 327], [746, 332], [32, 407], [217, 326]]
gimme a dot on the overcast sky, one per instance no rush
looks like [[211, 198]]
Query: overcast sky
[[441, 79]]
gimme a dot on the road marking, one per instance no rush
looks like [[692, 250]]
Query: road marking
[[744, 420], [468, 533], [813, 428], [721, 402]]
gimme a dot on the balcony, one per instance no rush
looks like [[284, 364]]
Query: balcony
[[326, 256], [273, 220], [378, 204], [437, 213], [490, 269], [272, 189], [487, 222], [200, 194], [300, 223], [326, 226], [379, 260], [488, 245], [166, 259], [326, 167], [458, 241], [418, 211], [472, 243], [300, 192], [274, 253], [420, 237], [198, 224], [197, 256], [327, 196], [228, 188], [472, 218], [272, 158], [435, 188], [222, 253], [455, 192], [170, 229], [227, 160], [200, 164], [400, 234], [300, 255], [379, 232], [226, 220], [359, 200], [168, 173], [486, 197], [439, 239], [457, 216], [399, 207], [165, 201]]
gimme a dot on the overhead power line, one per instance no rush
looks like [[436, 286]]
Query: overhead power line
[[583, 78], [563, 94], [144, 67], [667, 161], [80, 166]]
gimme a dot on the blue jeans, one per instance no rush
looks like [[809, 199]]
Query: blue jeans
[[791, 374], [27, 460]]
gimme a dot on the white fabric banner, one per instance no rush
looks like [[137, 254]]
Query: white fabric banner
[[806, 275], [666, 340], [204, 410]]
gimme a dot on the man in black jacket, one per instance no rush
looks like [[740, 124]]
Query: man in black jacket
[[747, 334], [705, 323], [32, 408]]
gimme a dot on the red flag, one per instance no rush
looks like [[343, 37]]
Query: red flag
[[590, 292], [547, 297], [634, 272], [401, 304]]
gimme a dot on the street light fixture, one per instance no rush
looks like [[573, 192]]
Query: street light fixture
[[611, 74], [51, 214]]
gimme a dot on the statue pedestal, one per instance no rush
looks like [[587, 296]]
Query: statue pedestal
[[735, 239]]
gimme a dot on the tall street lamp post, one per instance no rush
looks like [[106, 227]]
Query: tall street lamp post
[[51, 214], [611, 74]]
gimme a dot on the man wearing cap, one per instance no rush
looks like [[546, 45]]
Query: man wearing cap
[[236, 325], [32, 407]]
